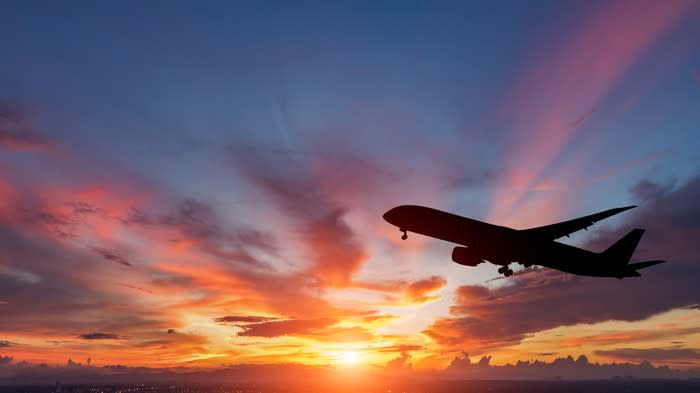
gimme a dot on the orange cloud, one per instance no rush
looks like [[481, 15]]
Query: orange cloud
[[418, 292]]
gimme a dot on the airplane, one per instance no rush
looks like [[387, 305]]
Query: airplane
[[501, 245]]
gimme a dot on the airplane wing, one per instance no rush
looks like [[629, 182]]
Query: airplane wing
[[565, 228]]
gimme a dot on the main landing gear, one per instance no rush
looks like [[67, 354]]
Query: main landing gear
[[505, 270], [404, 236]]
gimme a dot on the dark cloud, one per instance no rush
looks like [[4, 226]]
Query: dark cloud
[[197, 219], [99, 336], [199, 224], [244, 319], [5, 344], [662, 355], [60, 286], [498, 316], [579, 368], [287, 328], [648, 191], [62, 219], [112, 256], [16, 131], [5, 360], [172, 342]]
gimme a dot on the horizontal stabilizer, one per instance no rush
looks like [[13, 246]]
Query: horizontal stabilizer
[[622, 250], [642, 265]]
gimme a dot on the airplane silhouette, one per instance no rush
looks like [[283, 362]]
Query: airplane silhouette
[[535, 246]]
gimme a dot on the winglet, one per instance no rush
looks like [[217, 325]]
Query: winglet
[[621, 209]]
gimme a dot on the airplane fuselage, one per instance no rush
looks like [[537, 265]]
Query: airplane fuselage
[[498, 244]]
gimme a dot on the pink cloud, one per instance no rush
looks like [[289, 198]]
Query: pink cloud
[[567, 83]]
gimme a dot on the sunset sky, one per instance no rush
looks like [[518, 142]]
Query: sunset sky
[[197, 185]]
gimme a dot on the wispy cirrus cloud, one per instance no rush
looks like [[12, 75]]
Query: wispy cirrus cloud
[[567, 82], [244, 319], [287, 327], [112, 256], [655, 355], [17, 132], [99, 336], [335, 253]]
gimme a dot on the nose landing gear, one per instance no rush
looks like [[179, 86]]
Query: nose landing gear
[[404, 236]]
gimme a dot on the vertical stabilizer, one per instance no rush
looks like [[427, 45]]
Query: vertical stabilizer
[[622, 250]]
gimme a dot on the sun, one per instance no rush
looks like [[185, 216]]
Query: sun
[[349, 357]]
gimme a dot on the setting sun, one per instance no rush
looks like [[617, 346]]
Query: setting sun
[[348, 197], [349, 357]]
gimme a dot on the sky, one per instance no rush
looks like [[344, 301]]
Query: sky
[[201, 185]]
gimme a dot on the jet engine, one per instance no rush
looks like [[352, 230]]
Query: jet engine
[[466, 256]]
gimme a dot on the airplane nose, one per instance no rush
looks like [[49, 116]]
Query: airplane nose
[[390, 216]]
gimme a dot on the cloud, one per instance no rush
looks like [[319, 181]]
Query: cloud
[[244, 319], [565, 82], [655, 355], [200, 227], [291, 373], [99, 336], [287, 327], [568, 367], [418, 292], [608, 338], [64, 294], [400, 363], [300, 193], [111, 256], [696, 75], [16, 132], [486, 317], [401, 348], [5, 344], [5, 360]]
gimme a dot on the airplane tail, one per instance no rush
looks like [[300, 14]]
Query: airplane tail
[[622, 250]]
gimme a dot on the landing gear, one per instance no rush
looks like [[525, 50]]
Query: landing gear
[[505, 270], [404, 236]]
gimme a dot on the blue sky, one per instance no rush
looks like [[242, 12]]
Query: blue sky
[[223, 139]]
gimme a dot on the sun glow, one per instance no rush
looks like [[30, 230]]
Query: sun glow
[[349, 357]]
